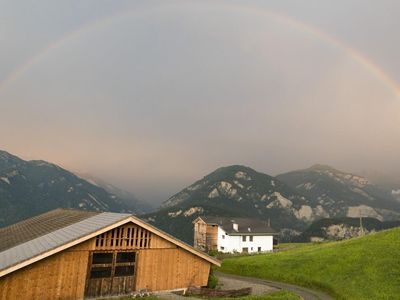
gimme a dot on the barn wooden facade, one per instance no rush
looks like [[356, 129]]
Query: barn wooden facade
[[69, 254]]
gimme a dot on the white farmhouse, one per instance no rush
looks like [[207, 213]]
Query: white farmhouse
[[230, 235]]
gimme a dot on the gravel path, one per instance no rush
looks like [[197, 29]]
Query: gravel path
[[231, 283], [259, 287], [227, 283], [305, 293]]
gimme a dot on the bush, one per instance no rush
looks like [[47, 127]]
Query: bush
[[212, 280], [213, 253]]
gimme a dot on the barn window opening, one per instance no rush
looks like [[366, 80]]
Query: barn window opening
[[102, 258], [117, 237], [112, 238], [128, 234], [100, 272], [141, 239], [124, 271], [121, 237], [109, 264], [132, 235], [145, 240], [124, 257]]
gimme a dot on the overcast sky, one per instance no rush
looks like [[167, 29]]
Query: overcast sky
[[152, 95]]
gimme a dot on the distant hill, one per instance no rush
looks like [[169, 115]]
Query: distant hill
[[359, 268], [343, 228], [291, 201], [344, 194], [28, 188], [236, 191], [127, 197]]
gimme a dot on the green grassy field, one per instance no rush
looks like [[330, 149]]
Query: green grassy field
[[360, 268]]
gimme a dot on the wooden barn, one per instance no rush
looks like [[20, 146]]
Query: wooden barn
[[71, 254]]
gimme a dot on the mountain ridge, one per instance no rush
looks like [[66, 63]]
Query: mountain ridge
[[346, 192], [240, 191], [28, 188], [125, 196], [235, 191]]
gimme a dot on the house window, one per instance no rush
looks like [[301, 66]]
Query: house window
[[251, 238], [222, 248], [243, 238], [259, 249], [245, 250], [223, 237]]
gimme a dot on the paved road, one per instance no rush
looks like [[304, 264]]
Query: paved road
[[305, 293]]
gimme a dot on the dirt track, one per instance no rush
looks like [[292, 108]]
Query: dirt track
[[305, 293], [259, 287]]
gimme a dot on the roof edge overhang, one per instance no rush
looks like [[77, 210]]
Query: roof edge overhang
[[198, 219], [132, 219], [205, 222], [253, 233]]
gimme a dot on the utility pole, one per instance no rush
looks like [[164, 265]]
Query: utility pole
[[361, 226]]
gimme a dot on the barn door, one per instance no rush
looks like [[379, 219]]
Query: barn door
[[110, 273]]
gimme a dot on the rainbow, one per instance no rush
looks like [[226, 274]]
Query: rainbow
[[357, 56]]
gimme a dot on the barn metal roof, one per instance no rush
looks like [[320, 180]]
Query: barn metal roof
[[37, 226], [50, 236]]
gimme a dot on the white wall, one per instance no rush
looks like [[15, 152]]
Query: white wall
[[234, 243]]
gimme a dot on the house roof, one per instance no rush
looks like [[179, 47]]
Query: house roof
[[42, 236], [245, 226]]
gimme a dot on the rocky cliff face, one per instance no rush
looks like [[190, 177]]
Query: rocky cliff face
[[344, 194]]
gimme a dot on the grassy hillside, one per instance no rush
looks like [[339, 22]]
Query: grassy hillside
[[360, 268]]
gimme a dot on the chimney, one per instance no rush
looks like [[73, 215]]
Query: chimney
[[235, 226], [269, 222]]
